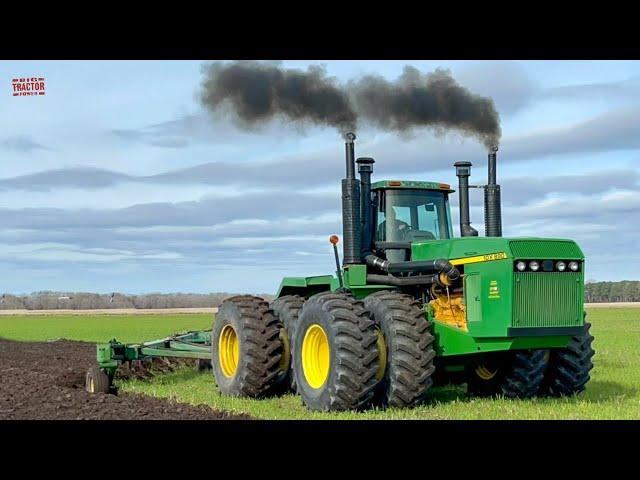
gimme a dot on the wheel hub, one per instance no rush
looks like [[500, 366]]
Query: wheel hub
[[228, 351], [485, 373], [315, 356]]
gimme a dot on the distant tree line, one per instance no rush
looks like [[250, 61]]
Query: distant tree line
[[603, 292], [47, 300], [595, 292]]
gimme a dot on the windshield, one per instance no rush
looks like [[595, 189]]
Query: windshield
[[412, 215]]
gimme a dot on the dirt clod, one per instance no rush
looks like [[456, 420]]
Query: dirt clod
[[45, 380]]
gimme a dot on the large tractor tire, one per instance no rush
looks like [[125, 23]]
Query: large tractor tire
[[335, 353], [569, 367], [287, 309], [517, 374], [407, 375], [246, 349]]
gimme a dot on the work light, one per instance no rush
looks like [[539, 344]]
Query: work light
[[534, 266]]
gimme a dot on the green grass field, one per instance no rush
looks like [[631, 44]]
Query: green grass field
[[613, 393]]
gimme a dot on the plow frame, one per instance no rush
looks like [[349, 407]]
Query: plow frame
[[192, 344]]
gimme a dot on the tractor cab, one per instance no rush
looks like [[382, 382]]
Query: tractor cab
[[409, 212]]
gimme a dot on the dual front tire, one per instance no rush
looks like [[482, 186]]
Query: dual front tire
[[524, 374]]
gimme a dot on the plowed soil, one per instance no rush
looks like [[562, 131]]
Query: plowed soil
[[45, 381]]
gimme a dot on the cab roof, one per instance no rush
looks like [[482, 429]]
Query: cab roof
[[406, 184]]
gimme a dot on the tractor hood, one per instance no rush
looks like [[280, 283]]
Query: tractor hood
[[480, 249]]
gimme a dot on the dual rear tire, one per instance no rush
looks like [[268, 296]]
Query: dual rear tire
[[335, 353], [246, 348], [342, 353]]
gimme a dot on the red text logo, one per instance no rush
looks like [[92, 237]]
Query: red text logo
[[26, 87]]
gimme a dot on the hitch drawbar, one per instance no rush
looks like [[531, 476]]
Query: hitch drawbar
[[99, 378]]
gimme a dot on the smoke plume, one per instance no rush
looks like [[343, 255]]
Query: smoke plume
[[258, 92], [433, 100]]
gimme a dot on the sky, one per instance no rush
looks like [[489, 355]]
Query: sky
[[118, 180]]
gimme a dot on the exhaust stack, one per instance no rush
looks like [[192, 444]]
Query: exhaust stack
[[463, 172], [351, 207], [492, 208]]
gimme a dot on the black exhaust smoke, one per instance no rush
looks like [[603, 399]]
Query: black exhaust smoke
[[433, 100], [258, 92]]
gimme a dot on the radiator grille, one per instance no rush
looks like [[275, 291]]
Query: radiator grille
[[545, 249], [547, 299]]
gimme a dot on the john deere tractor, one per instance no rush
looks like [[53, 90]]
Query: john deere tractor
[[409, 306]]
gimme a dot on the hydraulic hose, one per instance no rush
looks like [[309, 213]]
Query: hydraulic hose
[[403, 281], [438, 266]]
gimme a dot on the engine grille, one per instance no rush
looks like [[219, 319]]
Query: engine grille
[[545, 249], [547, 299]]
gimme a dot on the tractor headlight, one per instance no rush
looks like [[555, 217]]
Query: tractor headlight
[[573, 266], [534, 266], [561, 266], [521, 266]]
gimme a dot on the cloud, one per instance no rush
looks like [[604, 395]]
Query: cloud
[[21, 143], [616, 130], [204, 212], [286, 233], [506, 82], [625, 89], [202, 128], [611, 131], [73, 177], [520, 190]]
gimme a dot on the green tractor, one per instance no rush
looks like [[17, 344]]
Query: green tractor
[[409, 307]]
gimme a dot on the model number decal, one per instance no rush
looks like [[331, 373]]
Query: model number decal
[[480, 258]]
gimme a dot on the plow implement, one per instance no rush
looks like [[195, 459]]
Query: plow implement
[[189, 345]]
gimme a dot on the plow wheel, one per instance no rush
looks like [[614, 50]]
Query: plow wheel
[[407, 375], [335, 354], [517, 374], [246, 349], [287, 309], [97, 381], [569, 367], [203, 365]]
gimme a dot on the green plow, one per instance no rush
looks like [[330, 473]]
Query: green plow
[[192, 344]]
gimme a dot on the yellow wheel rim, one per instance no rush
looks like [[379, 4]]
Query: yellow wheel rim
[[484, 373], [92, 385], [315, 356], [228, 351], [382, 355]]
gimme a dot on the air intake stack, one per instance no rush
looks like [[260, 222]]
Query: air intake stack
[[365, 169], [463, 172]]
